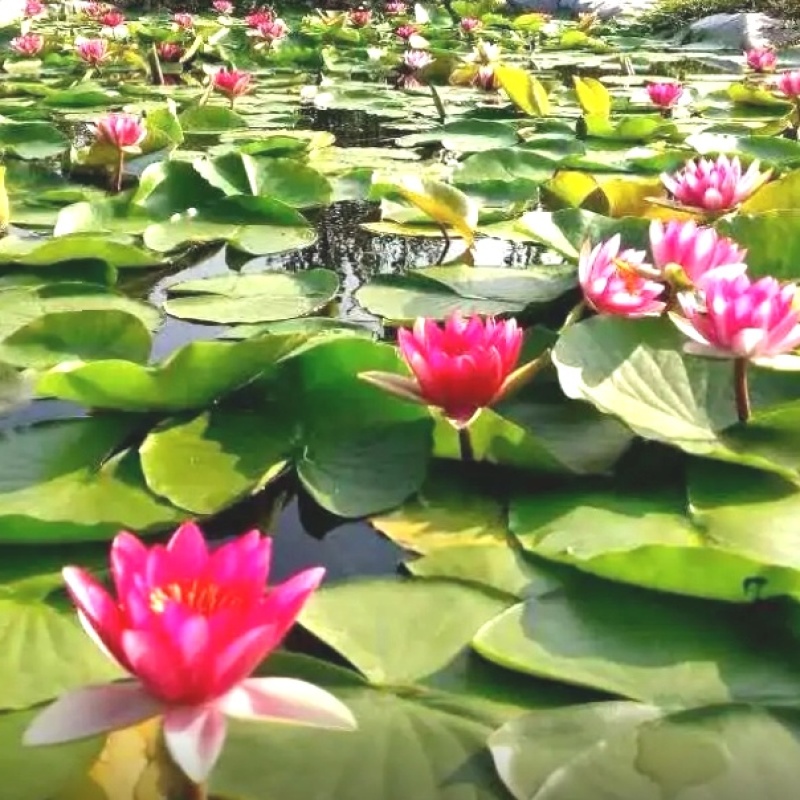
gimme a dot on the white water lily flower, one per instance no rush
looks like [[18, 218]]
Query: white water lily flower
[[375, 53]]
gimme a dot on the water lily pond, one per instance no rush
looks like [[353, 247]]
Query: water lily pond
[[491, 315]]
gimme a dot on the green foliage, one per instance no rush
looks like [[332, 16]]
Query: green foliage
[[672, 14]]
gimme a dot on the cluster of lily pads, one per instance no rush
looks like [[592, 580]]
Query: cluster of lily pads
[[591, 462]]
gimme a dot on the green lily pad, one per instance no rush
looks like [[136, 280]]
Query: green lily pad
[[211, 120], [264, 297], [32, 140], [74, 247]]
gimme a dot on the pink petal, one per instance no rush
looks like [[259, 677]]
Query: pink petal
[[188, 551], [288, 700], [96, 604], [92, 710], [194, 736]]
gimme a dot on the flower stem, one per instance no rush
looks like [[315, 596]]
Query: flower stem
[[741, 389], [446, 245], [574, 316], [120, 168], [465, 443], [197, 791]]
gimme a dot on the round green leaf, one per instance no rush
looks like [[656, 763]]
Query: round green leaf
[[264, 297], [85, 335]]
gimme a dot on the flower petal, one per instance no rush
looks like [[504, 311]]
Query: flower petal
[[92, 710], [194, 736], [287, 700]]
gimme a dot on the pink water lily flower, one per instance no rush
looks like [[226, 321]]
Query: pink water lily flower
[[169, 52], [121, 131], [394, 8], [761, 59], [273, 30], [224, 7], [232, 83], [687, 254], [664, 94], [112, 19], [756, 321], [259, 17], [190, 627], [788, 83], [413, 62], [461, 367], [717, 185], [183, 21], [470, 25], [486, 78], [406, 31], [27, 45], [615, 282], [93, 51], [34, 8]]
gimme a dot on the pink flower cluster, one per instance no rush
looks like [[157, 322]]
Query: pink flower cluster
[[700, 278]]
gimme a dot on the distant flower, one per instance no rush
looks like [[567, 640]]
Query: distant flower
[[112, 19], [96, 11], [360, 17], [375, 53], [413, 62], [93, 51], [273, 31], [486, 78], [470, 25], [406, 31], [183, 21], [121, 131], [715, 186], [613, 283], [686, 254], [735, 318], [761, 59], [664, 94], [34, 8], [259, 17], [460, 367], [232, 83], [170, 51], [223, 7], [27, 45], [394, 8], [190, 627], [789, 83], [484, 53]]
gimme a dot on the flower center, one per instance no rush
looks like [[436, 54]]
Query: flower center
[[628, 274], [204, 598]]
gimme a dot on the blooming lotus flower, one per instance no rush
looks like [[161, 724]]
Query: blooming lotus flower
[[34, 8], [394, 8], [756, 321], [224, 7], [761, 59], [169, 52], [27, 45], [788, 83], [259, 17], [190, 627], [406, 31], [183, 21], [486, 78], [273, 30], [112, 19], [470, 25], [413, 62], [613, 282], [461, 367], [687, 254], [360, 17], [664, 94], [232, 83], [121, 131], [715, 185], [93, 51]]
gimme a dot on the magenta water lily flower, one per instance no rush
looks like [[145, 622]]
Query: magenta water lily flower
[[761, 59], [686, 254], [232, 83], [470, 25], [183, 21], [736, 318], [34, 8], [93, 51], [112, 19], [460, 367], [406, 31], [272, 31], [788, 83], [28, 45], [190, 627], [170, 52], [121, 131], [394, 8], [486, 78], [715, 186], [665, 94], [259, 17], [615, 282], [224, 7]]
